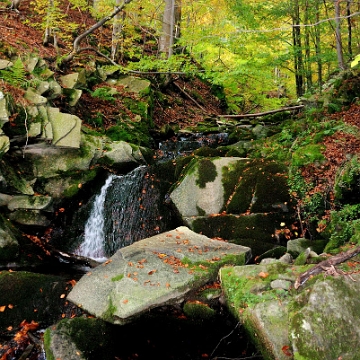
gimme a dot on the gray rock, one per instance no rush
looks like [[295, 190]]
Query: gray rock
[[133, 84], [73, 96], [4, 115], [74, 80], [149, 273], [323, 322], [34, 98], [30, 202], [4, 143], [31, 62], [281, 284], [30, 218], [66, 128], [9, 245], [43, 87], [286, 258], [54, 90], [197, 197], [5, 64], [121, 154]]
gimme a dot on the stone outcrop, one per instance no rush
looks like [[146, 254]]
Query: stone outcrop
[[314, 322], [153, 272], [234, 198]]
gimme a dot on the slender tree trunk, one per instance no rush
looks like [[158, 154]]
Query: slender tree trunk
[[298, 56], [170, 27], [349, 27], [117, 33], [318, 47], [339, 50], [308, 72]]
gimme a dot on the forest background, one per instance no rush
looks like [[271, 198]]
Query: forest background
[[262, 53]]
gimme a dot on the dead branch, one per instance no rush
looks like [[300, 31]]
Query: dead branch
[[189, 97], [81, 37], [241, 116], [324, 265]]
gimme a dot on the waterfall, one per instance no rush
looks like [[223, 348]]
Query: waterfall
[[93, 244], [129, 207]]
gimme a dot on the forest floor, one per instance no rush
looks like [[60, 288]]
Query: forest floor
[[18, 34]]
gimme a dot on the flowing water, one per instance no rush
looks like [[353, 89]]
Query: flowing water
[[129, 208], [93, 244]]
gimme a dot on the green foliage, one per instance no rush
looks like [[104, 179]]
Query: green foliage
[[347, 182], [104, 93], [308, 154], [15, 75], [344, 226]]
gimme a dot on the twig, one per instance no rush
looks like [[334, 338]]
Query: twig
[[223, 338], [324, 265], [240, 116], [189, 97]]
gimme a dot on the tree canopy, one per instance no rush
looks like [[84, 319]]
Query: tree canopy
[[261, 52]]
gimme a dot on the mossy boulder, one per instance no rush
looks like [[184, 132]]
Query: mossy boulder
[[79, 338], [28, 296], [316, 321], [153, 272], [323, 320]]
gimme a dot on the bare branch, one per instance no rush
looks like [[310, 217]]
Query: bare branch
[[81, 37]]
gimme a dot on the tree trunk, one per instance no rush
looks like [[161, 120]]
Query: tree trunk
[[308, 71], [298, 56], [318, 48], [348, 13], [116, 33], [339, 50], [170, 26]]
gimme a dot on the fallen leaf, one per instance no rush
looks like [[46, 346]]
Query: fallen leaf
[[2, 308], [125, 301], [10, 306], [263, 274], [286, 350], [62, 296], [152, 272]]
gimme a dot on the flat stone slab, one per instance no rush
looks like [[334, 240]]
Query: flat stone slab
[[153, 272]]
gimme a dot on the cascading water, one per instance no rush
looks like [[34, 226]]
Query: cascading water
[[129, 208], [93, 244]]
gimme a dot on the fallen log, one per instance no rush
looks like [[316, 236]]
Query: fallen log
[[325, 265], [242, 116]]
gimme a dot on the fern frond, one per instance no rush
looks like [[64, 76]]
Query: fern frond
[[15, 75]]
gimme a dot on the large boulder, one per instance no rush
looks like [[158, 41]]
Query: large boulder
[[153, 272], [316, 321], [234, 198]]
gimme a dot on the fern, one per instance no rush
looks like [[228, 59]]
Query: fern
[[15, 75]]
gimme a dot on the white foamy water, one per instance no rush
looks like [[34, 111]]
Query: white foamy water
[[93, 245]]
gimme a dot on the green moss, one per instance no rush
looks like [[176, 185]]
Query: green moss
[[308, 154], [200, 211], [118, 277], [198, 310], [109, 313], [47, 345], [206, 172], [91, 336], [34, 296], [255, 226]]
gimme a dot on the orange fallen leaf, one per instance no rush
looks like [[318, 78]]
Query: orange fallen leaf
[[152, 272], [161, 256], [72, 282], [2, 308], [167, 285], [10, 306], [286, 350], [9, 328], [263, 274], [125, 301], [62, 296]]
